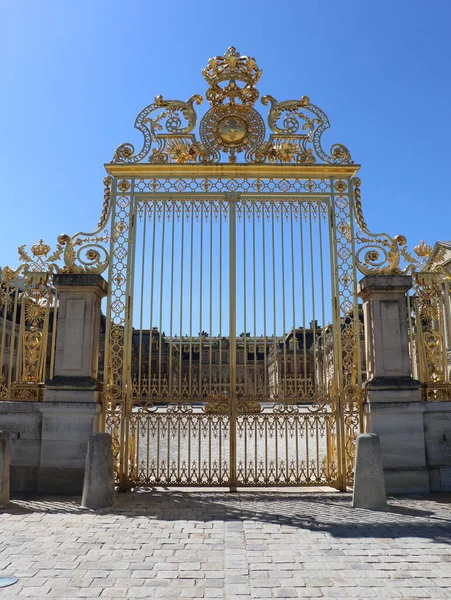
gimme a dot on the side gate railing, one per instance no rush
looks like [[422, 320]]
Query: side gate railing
[[28, 318], [429, 307]]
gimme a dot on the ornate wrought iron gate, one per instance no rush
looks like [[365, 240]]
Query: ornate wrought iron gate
[[232, 342], [233, 331]]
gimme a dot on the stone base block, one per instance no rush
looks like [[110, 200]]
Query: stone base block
[[5, 467], [23, 420], [66, 428], [406, 481], [440, 479], [54, 480], [23, 479], [401, 433], [64, 455], [437, 433]]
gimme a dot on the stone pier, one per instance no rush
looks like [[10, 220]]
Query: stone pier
[[71, 409], [393, 408]]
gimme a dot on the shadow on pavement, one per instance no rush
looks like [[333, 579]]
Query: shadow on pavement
[[426, 517]]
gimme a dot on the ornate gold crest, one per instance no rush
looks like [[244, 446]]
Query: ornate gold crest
[[232, 125]]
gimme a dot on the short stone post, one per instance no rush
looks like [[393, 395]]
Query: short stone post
[[393, 408], [98, 486], [369, 486], [71, 408], [5, 460]]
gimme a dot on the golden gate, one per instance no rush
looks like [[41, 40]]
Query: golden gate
[[232, 349]]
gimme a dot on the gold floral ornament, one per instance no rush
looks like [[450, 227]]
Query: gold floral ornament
[[159, 122], [232, 125], [287, 152], [6, 300], [31, 355], [3, 388], [181, 151], [30, 386], [35, 308]]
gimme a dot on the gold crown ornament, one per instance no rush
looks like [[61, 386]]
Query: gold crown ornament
[[423, 249], [40, 249], [232, 67]]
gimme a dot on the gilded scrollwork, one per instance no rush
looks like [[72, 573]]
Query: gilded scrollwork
[[380, 253], [161, 121], [297, 126], [86, 252], [232, 125]]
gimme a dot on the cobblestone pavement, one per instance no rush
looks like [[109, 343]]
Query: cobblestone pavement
[[234, 546]]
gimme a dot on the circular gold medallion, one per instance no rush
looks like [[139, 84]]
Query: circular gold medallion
[[232, 130]]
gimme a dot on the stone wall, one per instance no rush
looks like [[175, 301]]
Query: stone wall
[[48, 443], [39, 466], [23, 420], [437, 434]]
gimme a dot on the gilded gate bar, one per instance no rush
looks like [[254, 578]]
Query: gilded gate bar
[[263, 404]]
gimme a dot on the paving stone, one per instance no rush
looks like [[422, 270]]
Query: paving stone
[[241, 546], [285, 592]]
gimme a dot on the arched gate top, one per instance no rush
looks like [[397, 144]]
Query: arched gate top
[[232, 130]]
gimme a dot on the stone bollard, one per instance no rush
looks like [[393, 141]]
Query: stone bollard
[[5, 460], [98, 485], [369, 485]]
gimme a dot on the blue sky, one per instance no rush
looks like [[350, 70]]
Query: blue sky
[[76, 74]]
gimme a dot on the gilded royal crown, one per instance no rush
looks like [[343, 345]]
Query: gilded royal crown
[[40, 249], [423, 249], [232, 67]]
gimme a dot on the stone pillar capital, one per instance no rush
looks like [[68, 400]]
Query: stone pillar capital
[[383, 284], [81, 282]]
